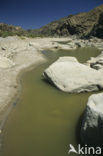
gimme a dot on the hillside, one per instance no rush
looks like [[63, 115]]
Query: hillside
[[82, 25], [9, 30]]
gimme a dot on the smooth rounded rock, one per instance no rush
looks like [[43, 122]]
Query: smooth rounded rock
[[68, 75]]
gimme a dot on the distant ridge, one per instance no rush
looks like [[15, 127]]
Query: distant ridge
[[9, 30]]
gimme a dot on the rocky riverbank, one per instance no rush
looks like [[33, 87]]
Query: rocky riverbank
[[17, 54]]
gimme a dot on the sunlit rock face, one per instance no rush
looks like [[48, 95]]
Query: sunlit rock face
[[92, 126], [68, 75]]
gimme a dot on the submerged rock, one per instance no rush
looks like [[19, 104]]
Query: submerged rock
[[92, 126], [68, 75]]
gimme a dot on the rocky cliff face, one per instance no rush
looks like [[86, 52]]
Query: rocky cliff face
[[98, 28], [82, 24]]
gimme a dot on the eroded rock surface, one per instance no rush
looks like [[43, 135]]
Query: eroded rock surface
[[97, 62], [92, 126], [68, 75]]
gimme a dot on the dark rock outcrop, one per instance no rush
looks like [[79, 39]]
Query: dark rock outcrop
[[98, 29]]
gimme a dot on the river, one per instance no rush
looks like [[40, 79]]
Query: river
[[45, 120]]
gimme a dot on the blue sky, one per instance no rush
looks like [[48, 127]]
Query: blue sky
[[31, 14]]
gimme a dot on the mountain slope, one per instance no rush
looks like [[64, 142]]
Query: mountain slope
[[82, 25]]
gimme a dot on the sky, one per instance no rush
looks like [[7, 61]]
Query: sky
[[32, 14]]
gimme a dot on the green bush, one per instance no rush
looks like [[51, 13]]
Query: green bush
[[19, 33]]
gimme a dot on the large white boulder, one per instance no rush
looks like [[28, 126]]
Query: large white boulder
[[70, 76], [92, 126]]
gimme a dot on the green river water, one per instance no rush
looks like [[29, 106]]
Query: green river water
[[45, 120]]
